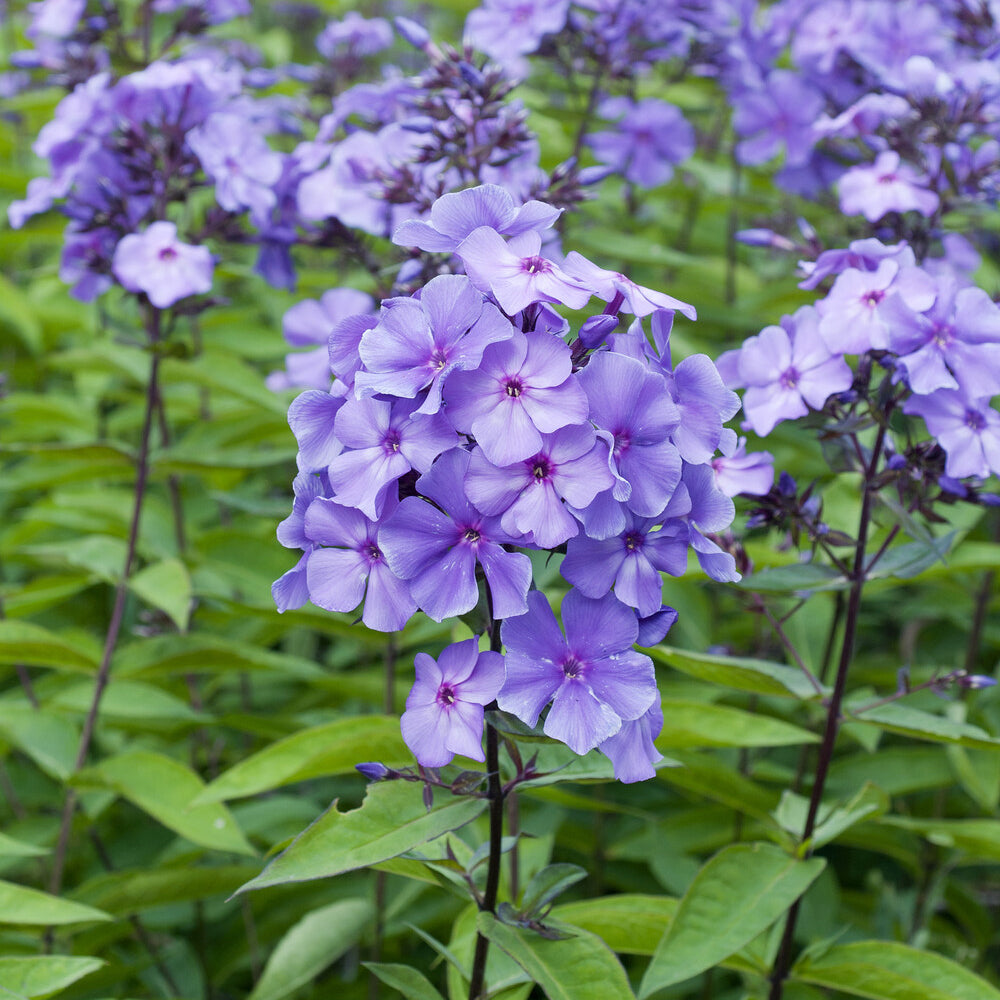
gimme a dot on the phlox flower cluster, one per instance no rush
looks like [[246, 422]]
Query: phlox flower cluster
[[930, 326], [470, 423]]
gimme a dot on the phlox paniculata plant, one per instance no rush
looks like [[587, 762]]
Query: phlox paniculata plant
[[470, 423]]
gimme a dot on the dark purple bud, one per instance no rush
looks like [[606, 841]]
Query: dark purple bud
[[594, 175], [428, 797], [953, 486], [409, 270], [764, 238], [786, 485], [896, 463], [374, 771], [974, 681], [412, 32], [989, 499], [564, 169], [596, 329], [471, 75]]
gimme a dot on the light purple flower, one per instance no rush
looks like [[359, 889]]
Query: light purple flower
[[515, 272], [612, 286], [354, 35], [649, 139], [445, 709], [967, 429], [592, 676], [750, 473], [436, 548], [455, 216], [522, 389], [631, 750], [784, 110], [418, 343], [157, 263], [885, 186], [507, 30], [571, 465]]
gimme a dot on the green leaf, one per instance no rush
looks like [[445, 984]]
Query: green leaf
[[735, 896], [630, 924], [332, 748], [21, 905], [131, 700], [907, 721], [888, 970], [126, 892], [578, 968], [698, 724], [707, 776], [316, 941], [11, 848], [165, 788], [32, 645], [547, 884], [43, 975], [18, 315], [755, 676], [979, 839], [50, 740], [832, 821], [412, 984], [391, 820], [166, 585], [793, 578]]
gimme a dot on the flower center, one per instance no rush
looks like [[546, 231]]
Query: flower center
[[167, 253], [974, 420], [873, 298], [438, 359], [789, 378], [572, 668], [541, 468], [535, 265], [943, 334], [391, 442], [372, 552], [623, 441], [633, 541], [446, 695], [471, 535], [513, 387]]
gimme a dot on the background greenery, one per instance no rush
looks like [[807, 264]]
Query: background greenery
[[228, 728]]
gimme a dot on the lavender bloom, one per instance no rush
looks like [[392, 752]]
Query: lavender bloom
[[650, 138], [571, 465], [864, 255], [457, 215], [157, 263], [631, 750], [956, 342], [386, 441], [312, 416], [631, 562], [593, 677], [787, 369], [417, 344], [354, 35], [445, 709], [704, 402], [744, 473], [238, 159], [436, 550], [614, 287], [507, 30], [350, 567], [634, 407], [521, 390], [968, 430], [784, 110], [516, 274], [885, 186]]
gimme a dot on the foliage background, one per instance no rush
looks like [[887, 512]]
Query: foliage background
[[228, 728]]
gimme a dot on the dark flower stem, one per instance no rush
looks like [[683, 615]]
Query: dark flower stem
[[118, 611], [495, 794], [858, 576]]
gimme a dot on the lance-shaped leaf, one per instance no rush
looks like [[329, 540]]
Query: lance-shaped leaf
[[21, 905], [737, 895], [582, 967], [391, 820], [43, 975], [332, 748], [888, 970], [412, 984]]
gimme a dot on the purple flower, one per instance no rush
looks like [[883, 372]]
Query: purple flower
[[417, 344], [157, 263], [506, 30], [311, 416], [437, 550], [787, 370], [612, 286], [571, 465], [354, 35], [741, 472], [650, 137], [784, 110], [631, 750], [445, 709], [885, 186], [386, 441], [592, 676], [350, 568], [522, 389], [967, 429], [516, 274], [455, 216], [631, 562]]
